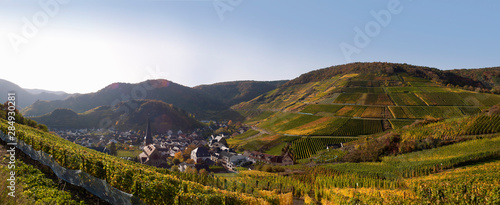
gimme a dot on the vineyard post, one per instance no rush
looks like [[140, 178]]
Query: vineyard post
[[82, 164]]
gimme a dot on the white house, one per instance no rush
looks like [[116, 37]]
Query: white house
[[200, 153]]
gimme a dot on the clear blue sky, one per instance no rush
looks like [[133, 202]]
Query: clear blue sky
[[84, 45]]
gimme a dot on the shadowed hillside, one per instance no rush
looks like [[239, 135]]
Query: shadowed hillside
[[191, 100], [163, 116], [231, 93]]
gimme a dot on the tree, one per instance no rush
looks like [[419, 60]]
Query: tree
[[43, 127], [496, 90], [187, 152], [174, 169], [176, 161], [179, 157], [191, 170], [204, 172], [190, 161], [389, 70], [238, 125], [112, 149]]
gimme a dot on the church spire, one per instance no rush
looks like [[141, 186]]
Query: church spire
[[148, 139]]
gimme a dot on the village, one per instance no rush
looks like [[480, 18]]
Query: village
[[177, 151]]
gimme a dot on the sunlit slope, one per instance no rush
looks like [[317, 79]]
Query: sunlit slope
[[461, 173], [361, 101]]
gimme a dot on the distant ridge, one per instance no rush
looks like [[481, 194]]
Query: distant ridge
[[40, 91], [191, 100], [27, 97], [454, 77]]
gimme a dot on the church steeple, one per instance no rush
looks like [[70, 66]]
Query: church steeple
[[148, 139]]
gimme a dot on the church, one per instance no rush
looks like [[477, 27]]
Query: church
[[153, 154]]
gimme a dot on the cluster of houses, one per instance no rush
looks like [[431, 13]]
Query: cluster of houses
[[213, 152], [156, 151], [175, 141]]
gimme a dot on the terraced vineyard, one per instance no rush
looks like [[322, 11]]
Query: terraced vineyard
[[354, 127], [451, 99], [483, 124], [406, 99], [419, 112], [307, 146], [399, 123], [353, 104]]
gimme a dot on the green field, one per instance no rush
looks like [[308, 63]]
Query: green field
[[399, 123], [363, 90], [296, 122], [277, 119], [419, 112], [402, 89], [351, 111], [261, 116], [480, 99], [357, 83], [347, 98], [423, 84], [406, 99], [449, 99], [354, 127], [307, 146], [332, 126], [238, 139], [276, 150], [321, 108]]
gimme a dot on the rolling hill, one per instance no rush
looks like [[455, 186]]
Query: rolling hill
[[365, 98], [163, 117]]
